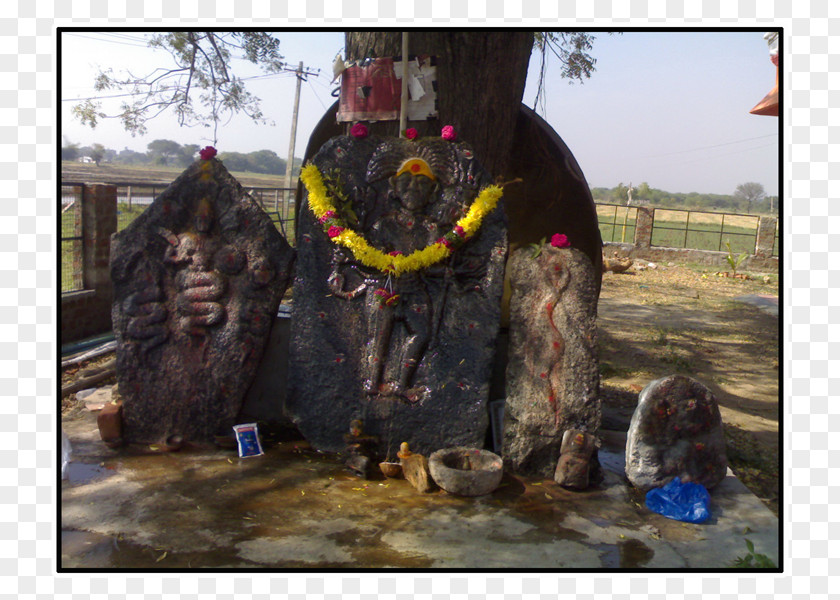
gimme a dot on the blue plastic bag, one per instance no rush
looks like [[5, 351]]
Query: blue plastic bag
[[687, 502]]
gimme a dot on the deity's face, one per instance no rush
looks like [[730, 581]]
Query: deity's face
[[204, 216], [413, 191]]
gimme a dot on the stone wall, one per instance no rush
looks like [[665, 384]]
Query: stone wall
[[766, 237], [87, 312], [683, 255], [644, 227]]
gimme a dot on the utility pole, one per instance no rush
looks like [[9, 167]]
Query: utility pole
[[293, 135], [404, 85]]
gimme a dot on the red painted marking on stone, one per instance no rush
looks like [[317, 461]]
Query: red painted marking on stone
[[549, 308]]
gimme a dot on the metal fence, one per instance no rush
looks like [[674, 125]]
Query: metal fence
[[72, 246], [704, 230], [616, 222], [699, 230], [278, 203]]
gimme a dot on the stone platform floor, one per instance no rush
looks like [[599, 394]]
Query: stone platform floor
[[295, 508]]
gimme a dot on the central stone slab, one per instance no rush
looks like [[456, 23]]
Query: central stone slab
[[401, 254]]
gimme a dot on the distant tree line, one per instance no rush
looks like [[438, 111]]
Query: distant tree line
[[169, 153], [748, 198]]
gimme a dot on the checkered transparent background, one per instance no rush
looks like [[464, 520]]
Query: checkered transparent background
[[28, 296]]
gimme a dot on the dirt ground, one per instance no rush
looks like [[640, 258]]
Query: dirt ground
[[678, 319], [686, 319]]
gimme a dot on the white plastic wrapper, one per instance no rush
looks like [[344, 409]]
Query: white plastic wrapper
[[248, 439]]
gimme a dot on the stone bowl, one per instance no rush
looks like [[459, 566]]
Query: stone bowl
[[391, 469], [466, 471]]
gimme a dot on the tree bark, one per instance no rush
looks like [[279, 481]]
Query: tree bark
[[480, 82]]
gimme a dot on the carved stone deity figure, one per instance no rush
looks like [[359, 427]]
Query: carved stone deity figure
[[197, 281], [396, 302]]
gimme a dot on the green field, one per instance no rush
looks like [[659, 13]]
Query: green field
[[152, 175]]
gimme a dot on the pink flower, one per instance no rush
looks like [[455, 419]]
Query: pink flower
[[207, 153], [448, 133], [395, 253], [559, 240], [334, 231], [411, 133], [359, 130], [326, 216], [460, 231], [445, 242]]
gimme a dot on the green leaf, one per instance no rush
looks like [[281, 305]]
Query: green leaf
[[750, 546]]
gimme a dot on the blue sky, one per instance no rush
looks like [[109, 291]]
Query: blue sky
[[668, 108]]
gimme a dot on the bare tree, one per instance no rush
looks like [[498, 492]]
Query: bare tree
[[200, 86]]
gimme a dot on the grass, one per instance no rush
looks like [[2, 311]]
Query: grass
[[753, 560]]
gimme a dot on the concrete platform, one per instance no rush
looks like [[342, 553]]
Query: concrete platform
[[297, 508]]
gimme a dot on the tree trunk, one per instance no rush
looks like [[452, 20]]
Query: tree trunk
[[480, 82]]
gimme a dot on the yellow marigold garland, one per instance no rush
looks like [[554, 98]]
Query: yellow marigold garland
[[395, 263]]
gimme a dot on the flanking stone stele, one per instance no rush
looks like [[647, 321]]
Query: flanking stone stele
[[197, 281], [676, 431], [414, 368], [552, 372]]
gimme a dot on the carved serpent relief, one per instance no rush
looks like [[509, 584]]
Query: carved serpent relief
[[200, 264], [147, 314], [197, 280]]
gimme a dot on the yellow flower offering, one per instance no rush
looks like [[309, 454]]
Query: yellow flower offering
[[323, 208]]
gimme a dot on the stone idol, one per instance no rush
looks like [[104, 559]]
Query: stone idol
[[676, 430], [401, 250], [552, 374], [197, 281]]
